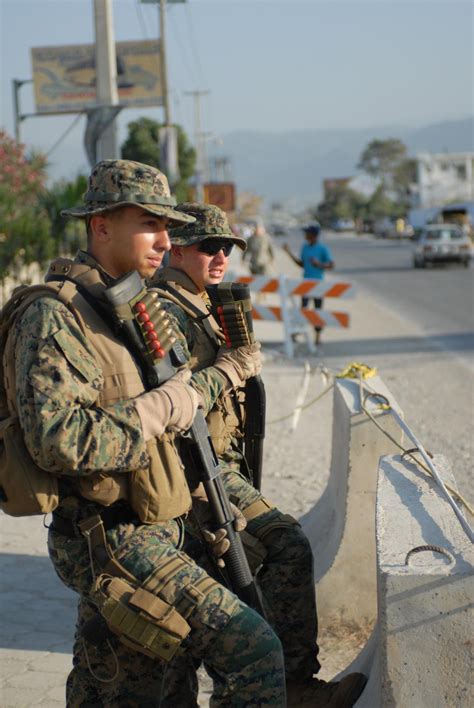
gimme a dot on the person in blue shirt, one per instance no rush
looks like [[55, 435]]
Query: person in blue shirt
[[315, 258]]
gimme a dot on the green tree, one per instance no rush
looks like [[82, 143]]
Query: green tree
[[404, 176], [68, 234], [142, 144], [388, 161], [381, 158], [380, 205], [341, 202]]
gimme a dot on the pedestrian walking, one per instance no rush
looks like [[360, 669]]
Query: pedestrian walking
[[259, 253]]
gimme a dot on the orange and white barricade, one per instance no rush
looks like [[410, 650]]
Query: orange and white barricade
[[294, 318]]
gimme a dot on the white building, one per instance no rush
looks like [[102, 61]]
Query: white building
[[444, 178]]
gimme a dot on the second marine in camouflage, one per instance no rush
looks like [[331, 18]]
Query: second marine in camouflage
[[275, 542]]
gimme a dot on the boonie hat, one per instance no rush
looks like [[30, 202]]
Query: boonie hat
[[118, 183], [208, 222]]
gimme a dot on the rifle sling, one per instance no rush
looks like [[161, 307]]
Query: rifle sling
[[203, 318]]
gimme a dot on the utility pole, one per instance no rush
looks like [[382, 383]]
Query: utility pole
[[221, 169], [106, 75], [164, 72], [168, 136], [199, 139], [17, 115]]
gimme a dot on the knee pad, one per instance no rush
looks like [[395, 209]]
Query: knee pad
[[267, 518], [254, 549]]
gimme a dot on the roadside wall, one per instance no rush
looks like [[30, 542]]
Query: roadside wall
[[341, 526]]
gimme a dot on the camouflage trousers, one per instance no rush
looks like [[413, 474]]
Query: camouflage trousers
[[285, 578], [241, 651]]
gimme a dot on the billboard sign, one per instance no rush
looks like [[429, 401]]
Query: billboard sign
[[65, 79], [221, 194]]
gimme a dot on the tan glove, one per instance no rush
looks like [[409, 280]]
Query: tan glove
[[171, 407], [217, 540], [239, 364]]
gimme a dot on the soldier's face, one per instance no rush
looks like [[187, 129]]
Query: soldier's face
[[130, 239], [201, 268]]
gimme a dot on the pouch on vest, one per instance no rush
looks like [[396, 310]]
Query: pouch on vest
[[160, 492], [141, 620], [105, 490], [25, 489], [223, 424]]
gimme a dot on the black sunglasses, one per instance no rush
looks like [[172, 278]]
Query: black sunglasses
[[212, 246]]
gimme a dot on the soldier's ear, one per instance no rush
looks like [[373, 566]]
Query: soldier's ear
[[99, 227], [176, 252]]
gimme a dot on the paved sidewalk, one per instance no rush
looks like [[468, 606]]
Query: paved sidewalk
[[37, 619]]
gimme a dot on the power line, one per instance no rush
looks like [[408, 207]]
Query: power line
[[194, 45], [200, 145], [183, 53], [141, 19]]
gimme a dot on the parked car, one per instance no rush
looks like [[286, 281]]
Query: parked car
[[442, 243]]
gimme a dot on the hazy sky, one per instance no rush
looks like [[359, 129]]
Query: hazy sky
[[272, 65]]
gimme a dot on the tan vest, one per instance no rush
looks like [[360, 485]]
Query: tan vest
[[226, 420], [159, 492]]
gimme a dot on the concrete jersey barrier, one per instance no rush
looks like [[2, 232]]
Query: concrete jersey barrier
[[389, 548], [341, 526], [421, 652]]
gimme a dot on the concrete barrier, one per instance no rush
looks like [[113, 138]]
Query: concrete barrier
[[366, 532], [421, 652], [341, 526]]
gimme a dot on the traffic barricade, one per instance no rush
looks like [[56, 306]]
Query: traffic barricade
[[295, 319]]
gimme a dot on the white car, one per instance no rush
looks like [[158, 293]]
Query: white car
[[442, 243]]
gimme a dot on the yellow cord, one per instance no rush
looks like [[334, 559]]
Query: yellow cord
[[356, 370]]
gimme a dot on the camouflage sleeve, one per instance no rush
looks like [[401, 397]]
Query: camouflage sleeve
[[57, 384], [209, 382]]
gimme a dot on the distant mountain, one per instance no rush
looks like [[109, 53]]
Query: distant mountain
[[291, 166]]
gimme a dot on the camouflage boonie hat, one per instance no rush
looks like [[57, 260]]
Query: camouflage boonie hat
[[209, 222], [118, 183]]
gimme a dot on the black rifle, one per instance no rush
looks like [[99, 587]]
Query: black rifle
[[147, 328], [232, 307]]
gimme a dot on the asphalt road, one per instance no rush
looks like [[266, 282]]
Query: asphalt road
[[440, 300]]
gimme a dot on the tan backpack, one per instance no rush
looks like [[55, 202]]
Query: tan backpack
[[25, 489]]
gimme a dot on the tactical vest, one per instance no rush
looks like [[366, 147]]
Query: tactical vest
[[226, 420], [159, 492]]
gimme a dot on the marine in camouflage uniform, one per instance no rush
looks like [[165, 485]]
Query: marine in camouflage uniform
[[259, 252], [199, 257], [60, 383]]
